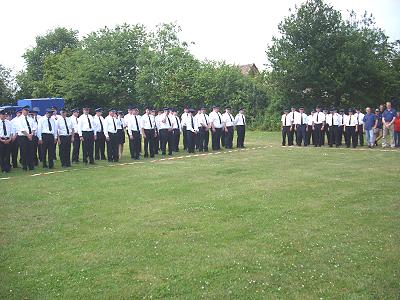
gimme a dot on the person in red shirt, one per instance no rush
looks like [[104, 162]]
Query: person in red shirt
[[397, 130]]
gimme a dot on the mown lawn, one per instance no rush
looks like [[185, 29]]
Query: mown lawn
[[262, 223]]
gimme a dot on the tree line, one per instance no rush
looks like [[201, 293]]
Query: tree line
[[319, 57]]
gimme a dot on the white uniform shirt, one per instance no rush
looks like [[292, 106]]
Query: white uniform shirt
[[62, 129], [45, 128], [74, 123], [177, 123], [333, 119], [110, 125], [165, 122], [191, 124], [310, 120], [359, 118], [203, 120], [293, 115], [318, 118], [184, 118], [216, 119], [350, 120], [286, 120], [148, 121], [36, 122], [21, 124], [14, 125], [157, 119], [134, 124], [8, 126], [300, 118], [341, 119], [85, 123], [228, 119], [99, 127], [240, 119]]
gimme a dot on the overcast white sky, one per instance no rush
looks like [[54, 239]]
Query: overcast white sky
[[235, 31]]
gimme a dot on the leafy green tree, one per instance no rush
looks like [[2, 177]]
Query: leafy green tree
[[7, 85]]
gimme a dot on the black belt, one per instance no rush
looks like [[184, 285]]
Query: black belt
[[5, 138]]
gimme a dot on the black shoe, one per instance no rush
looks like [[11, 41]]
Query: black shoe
[[92, 163], [45, 166]]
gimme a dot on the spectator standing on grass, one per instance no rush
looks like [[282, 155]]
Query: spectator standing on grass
[[397, 130], [370, 122], [388, 118], [378, 129]]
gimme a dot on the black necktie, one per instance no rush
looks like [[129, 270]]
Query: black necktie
[[115, 127], [177, 122], [169, 121], [244, 123], [29, 126], [332, 120], [137, 124], [342, 119], [230, 117], [301, 122], [4, 128], [101, 124], [349, 120], [358, 119], [317, 117], [90, 124], [48, 122], [219, 118], [285, 120], [66, 125], [36, 119], [192, 122], [76, 120], [205, 118], [122, 123], [151, 125]]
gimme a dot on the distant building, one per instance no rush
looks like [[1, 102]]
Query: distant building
[[250, 69]]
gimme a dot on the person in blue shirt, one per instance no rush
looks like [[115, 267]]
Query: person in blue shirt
[[378, 129], [388, 117], [370, 122]]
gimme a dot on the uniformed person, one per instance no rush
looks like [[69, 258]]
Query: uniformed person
[[240, 123], [148, 132], [65, 138], [360, 126], [87, 134], [203, 124], [300, 123], [310, 132], [76, 145], [37, 149], [121, 125], [134, 129], [111, 134], [350, 129], [25, 134], [14, 140], [47, 134], [100, 143], [333, 121], [156, 114], [192, 128], [292, 135], [177, 126], [5, 142], [216, 127], [166, 132], [325, 128], [228, 123], [318, 126], [340, 130], [55, 117], [184, 117], [286, 126]]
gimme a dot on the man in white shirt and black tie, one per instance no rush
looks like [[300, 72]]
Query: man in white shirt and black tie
[[300, 123], [25, 132], [5, 142], [111, 134], [203, 124], [87, 134], [360, 126], [14, 139], [100, 143], [318, 126], [37, 149], [216, 124], [350, 129], [65, 138], [229, 122], [192, 130], [76, 145], [177, 126], [340, 130], [148, 132], [286, 126], [134, 130], [166, 133], [292, 134], [333, 121], [240, 123], [47, 134], [184, 117]]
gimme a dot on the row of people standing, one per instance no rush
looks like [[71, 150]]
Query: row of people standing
[[332, 126], [35, 137]]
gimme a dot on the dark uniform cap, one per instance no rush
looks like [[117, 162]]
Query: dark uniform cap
[[120, 111], [2, 112], [215, 106], [25, 107], [54, 107], [74, 110], [111, 110], [18, 110], [98, 109], [166, 108], [49, 111], [228, 107], [285, 110], [62, 110]]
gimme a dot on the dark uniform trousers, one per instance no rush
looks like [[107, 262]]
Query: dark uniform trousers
[[191, 138], [47, 149], [351, 136], [5, 155], [37, 150], [112, 147], [177, 137], [88, 145], [222, 137], [339, 136], [318, 135], [241, 132], [166, 137], [285, 133], [360, 134], [65, 150], [290, 134], [301, 135], [136, 144], [310, 135], [26, 152], [197, 140], [216, 139], [14, 152], [157, 142], [130, 145], [184, 130], [333, 136], [204, 135], [75, 148], [229, 137], [149, 142], [100, 146]]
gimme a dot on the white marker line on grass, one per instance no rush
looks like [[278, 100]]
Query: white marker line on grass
[[5, 178]]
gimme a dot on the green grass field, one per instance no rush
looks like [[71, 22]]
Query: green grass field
[[263, 223]]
